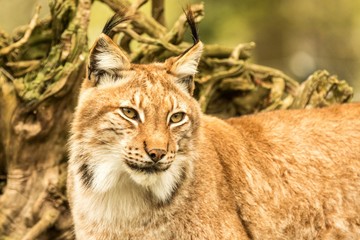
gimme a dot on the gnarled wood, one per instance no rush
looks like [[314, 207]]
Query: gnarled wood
[[36, 108]]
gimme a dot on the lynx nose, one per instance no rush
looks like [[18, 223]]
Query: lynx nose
[[156, 154]]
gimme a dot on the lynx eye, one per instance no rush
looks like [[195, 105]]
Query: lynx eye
[[130, 113], [177, 117]]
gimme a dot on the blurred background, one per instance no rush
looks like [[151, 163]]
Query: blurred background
[[297, 37]]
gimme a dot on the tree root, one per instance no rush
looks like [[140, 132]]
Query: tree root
[[47, 220]]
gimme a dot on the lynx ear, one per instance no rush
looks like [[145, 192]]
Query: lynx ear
[[105, 56], [184, 67], [186, 64]]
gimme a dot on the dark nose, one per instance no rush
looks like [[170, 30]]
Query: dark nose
[[156, 154]]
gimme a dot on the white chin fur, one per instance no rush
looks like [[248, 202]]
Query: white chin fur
[[162, 184], [106, 175], [109, 171]]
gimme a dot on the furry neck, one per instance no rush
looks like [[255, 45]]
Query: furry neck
[[127, 199]]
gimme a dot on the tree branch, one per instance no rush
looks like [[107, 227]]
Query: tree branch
[[157, 11], [46, 221], [26, 36], [141, 21]]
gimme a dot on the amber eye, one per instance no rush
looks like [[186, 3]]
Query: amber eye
[[130, 113], [177, 117]]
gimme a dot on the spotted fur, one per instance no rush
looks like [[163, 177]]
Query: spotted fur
[[279, 175]]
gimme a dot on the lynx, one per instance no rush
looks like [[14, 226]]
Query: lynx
[[145, 163]]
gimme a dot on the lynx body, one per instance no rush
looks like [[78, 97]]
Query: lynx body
[[145, 163]]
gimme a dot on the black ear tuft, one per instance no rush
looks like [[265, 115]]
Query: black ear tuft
[[192, 24], [184, 67], [115, 20], [105, 56]]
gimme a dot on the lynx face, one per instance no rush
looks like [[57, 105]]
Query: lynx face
[[135, 122]]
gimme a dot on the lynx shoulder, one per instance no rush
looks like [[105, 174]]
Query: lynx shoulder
[[145, 163]]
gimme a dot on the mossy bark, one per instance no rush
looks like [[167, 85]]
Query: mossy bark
[[42, 66]]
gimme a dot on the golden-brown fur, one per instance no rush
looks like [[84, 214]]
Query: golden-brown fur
[[291, 174]]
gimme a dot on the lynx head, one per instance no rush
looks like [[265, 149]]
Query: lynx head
[[135, 122]]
